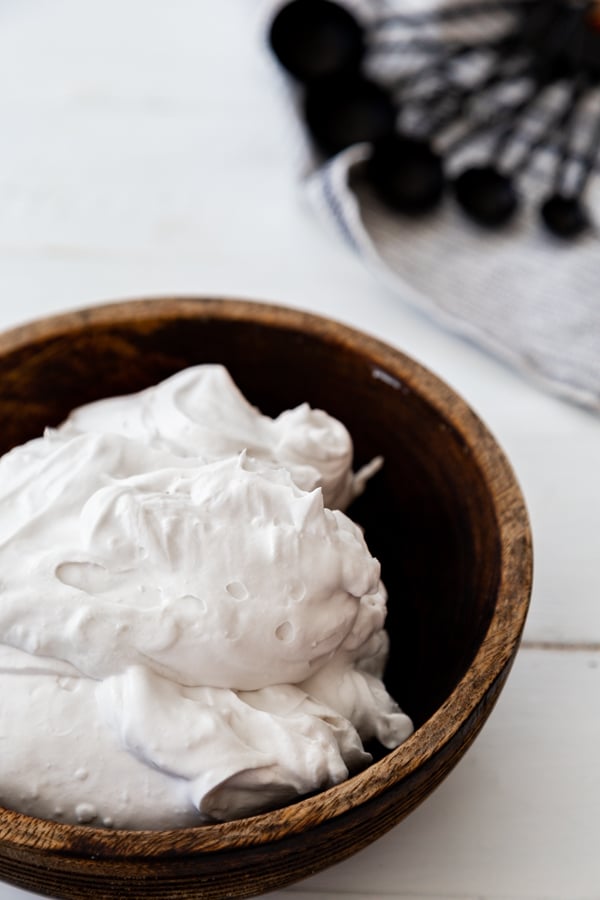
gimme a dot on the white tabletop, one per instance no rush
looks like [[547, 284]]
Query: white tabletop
[[146, 150]]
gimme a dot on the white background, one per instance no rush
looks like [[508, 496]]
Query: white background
[[147, 149]]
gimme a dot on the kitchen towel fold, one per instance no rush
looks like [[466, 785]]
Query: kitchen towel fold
[[531, 299]]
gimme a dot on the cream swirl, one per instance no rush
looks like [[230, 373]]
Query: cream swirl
[[186, 611], [200, 412]]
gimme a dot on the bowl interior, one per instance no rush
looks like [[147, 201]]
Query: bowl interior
[[427, 514]]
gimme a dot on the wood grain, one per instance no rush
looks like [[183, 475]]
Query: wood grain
[[445, 516]]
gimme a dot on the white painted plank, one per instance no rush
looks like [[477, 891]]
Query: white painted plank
[[518, 818]]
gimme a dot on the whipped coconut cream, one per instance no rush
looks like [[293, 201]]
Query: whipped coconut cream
[[189, 629], [201, 412]]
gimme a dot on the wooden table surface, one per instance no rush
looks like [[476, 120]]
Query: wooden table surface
[[146, 149]]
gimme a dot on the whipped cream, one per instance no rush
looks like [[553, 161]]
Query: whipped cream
[[201, 412], [189, 630]]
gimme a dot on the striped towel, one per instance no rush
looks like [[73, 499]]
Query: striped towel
[[530, 299]]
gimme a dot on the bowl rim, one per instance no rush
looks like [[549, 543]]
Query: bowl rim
[[493, 657]]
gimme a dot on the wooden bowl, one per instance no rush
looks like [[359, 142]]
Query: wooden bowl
[[445, 517]]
